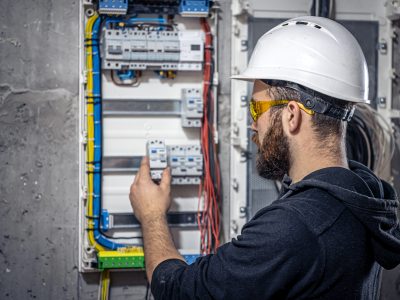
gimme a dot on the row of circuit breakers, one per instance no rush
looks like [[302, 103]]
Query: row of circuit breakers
[[186, 162], [134, 49]]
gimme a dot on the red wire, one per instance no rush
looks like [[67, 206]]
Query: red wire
[[209, 218]]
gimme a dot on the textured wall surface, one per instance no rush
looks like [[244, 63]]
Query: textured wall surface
[[39, 155], [38, 149]]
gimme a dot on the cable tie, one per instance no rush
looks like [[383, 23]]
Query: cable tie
[[92, 162], [91, 217], [93, 172], [87, 45], [91, 39]]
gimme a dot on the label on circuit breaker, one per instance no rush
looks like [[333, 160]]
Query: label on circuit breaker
[[157, 153], [192, 108]]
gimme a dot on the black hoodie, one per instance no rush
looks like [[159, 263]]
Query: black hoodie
[[324, 238]]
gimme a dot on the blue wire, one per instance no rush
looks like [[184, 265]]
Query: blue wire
[[135, 20], [98, 145]]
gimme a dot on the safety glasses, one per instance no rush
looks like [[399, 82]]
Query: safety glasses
[[257, 108]]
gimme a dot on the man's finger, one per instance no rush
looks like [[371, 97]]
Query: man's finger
[[166, 179], [135, 180], [144, 171]]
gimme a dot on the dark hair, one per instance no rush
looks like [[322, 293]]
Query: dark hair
[[324, 126]]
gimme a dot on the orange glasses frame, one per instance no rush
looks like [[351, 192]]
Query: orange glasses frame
[[257, 108]]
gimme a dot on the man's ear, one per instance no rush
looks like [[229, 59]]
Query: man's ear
[[293, 118]]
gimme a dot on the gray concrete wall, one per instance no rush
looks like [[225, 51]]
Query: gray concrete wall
[[38, 149], [39, 154]]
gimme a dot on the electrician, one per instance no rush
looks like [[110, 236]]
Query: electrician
[[334, 224]]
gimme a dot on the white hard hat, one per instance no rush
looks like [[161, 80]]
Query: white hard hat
[[314, 52]]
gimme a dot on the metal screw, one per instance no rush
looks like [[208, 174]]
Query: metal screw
[[382, 102], [383, 47]]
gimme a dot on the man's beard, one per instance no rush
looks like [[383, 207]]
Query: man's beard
[[273, 157]]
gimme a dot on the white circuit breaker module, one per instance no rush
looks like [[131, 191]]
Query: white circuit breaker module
[[192, 108], [157, 154]]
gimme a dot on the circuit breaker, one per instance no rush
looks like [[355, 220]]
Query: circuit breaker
[[145, 87], [135, 49]]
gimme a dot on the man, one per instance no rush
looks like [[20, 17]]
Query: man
[[334, 224]]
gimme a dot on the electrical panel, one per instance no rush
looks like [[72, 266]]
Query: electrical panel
[[146, 69]]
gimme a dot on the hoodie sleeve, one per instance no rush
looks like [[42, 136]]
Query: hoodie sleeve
[[275, 256]]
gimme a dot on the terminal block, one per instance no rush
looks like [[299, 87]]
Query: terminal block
[[113, 7], [128, 259], [122, 259], [157, 153], [133, 49], [194, 8], [192, 108]]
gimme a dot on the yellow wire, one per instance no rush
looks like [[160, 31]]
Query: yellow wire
[[90, 128], [105, 285]]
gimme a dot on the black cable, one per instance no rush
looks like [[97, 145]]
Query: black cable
[[324, 8], [312, 9], [359, 141]]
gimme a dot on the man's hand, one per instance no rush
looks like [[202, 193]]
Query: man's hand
[[150, 203], [149, 200]]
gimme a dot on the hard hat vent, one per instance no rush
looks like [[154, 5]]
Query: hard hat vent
[[302, 23]]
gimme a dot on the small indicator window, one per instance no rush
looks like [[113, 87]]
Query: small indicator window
[[195, 47]]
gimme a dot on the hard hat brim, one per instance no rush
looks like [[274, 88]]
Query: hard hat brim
[[251, 78], [243, 77]]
